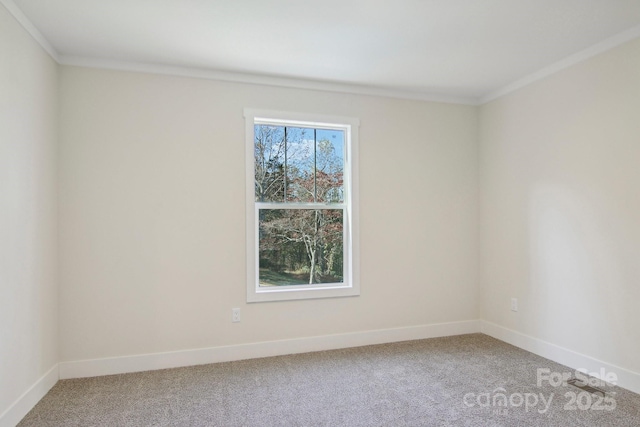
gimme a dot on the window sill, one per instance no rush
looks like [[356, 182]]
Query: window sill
[[287, 294]]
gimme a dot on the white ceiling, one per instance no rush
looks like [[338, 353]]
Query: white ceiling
[[461, 49]]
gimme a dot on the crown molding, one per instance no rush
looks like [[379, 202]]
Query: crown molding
[[297, 83], [226, 76], [260, 79], [569, 61], [30, 28]]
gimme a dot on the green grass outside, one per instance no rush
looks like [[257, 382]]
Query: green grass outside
[[275, 278]]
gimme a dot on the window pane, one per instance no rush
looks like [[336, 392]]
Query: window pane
[[329, 166], [269, 163], [300, 165], [305, 164], [300, 246]]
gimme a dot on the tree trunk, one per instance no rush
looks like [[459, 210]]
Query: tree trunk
[[331, 259], [312, 269]]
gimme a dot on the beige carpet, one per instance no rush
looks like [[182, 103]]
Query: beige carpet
[[451, 381]]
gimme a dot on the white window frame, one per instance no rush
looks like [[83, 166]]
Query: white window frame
[[351, 262]]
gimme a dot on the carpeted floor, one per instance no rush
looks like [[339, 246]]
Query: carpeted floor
[[452, 381]]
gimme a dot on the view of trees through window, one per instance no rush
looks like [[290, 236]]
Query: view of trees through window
[[299, 192]]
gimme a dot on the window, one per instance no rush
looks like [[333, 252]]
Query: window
[[302, 229]]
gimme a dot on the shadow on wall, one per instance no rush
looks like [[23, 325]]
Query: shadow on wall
[[576, 285]]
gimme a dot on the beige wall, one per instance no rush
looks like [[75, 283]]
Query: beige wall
[[560, 208], [28, 231], [152, 215]]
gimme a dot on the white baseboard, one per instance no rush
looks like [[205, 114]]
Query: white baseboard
[[29, 398], [574, 360], [147, 362]]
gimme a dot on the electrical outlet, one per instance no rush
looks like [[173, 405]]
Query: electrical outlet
[[514, 304], [235, 315]]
